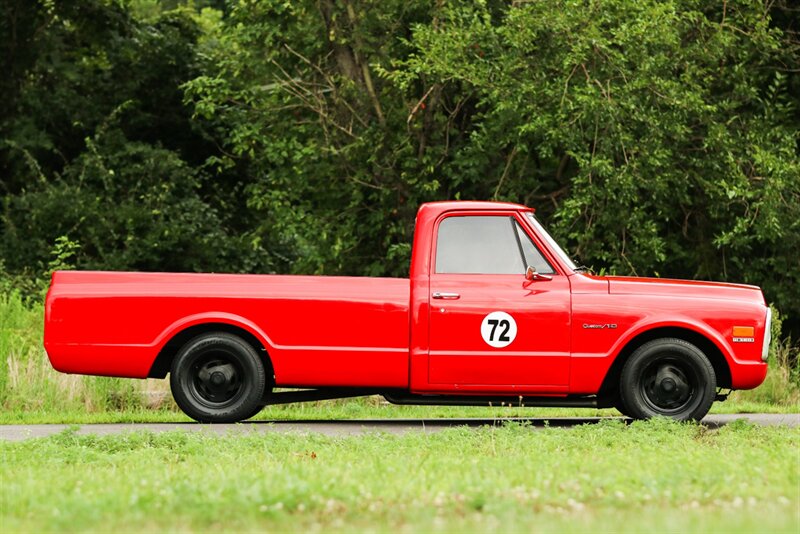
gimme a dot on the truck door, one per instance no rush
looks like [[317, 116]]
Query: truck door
[[491, 329]]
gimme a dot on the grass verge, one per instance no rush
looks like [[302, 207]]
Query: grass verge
[[363, 408], [648, 476]]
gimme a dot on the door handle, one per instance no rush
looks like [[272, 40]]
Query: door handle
[[446, 296]]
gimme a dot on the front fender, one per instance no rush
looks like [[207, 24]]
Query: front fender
[[685, 323]]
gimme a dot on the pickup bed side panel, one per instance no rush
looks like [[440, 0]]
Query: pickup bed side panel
[[318, 331]]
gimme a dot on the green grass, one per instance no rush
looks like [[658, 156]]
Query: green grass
[[648, 476], [32, 392]]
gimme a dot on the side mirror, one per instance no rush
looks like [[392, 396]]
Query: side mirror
[[532, 276]]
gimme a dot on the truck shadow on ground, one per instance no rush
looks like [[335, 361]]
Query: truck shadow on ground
[[446, 423]]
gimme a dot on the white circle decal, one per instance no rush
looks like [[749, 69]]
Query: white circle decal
[[498, 329]]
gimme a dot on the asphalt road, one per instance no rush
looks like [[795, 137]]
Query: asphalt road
[[357, 426]]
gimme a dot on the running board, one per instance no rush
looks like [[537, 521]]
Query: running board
[[406, 398], [306, 395], [482, 400]]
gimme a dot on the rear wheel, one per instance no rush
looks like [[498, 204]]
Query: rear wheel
[[670, 378], [218, 378], [620, 407]]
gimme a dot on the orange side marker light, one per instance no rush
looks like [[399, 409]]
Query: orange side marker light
[[744, 331], [744, 334]]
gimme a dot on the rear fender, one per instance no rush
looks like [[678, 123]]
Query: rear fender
[[213, 317]]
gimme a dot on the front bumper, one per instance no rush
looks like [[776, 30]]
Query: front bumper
[[767, 336]]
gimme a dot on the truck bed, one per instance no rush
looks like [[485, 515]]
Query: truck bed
[[318, 330]]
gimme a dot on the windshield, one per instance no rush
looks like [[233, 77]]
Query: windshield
[[550, 241]]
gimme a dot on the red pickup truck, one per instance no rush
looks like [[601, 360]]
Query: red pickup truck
[[494, 311]]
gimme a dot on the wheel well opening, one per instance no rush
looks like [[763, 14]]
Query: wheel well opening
[[723, 373], [163, 362]]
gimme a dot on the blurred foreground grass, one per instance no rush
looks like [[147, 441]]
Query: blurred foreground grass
[[649, 476], [32, 392]]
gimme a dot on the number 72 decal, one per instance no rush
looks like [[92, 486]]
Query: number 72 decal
[[498, 329]]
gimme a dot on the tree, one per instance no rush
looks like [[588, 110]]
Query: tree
[[659, 137], [655, 137], [98, 147]]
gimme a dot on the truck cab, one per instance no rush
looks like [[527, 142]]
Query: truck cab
[[470, 261]]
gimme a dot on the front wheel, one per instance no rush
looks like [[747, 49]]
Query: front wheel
[[668, 377], [218, 378]]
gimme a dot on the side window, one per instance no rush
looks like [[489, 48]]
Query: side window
[[478, 245], [532, 255]]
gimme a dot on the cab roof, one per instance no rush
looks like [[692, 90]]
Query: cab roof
[[436, 208]]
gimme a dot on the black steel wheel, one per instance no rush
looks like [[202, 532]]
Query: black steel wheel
[[218, 378], [620, 407], [667, 377]]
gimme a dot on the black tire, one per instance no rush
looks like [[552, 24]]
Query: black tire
[[621, 408], [254, 412], [667, 377], [218, 378]]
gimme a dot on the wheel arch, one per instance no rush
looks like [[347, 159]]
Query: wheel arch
[[714, 354], [182, 334]]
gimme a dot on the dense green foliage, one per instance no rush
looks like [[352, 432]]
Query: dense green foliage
[[650, 476], [655, 137]]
